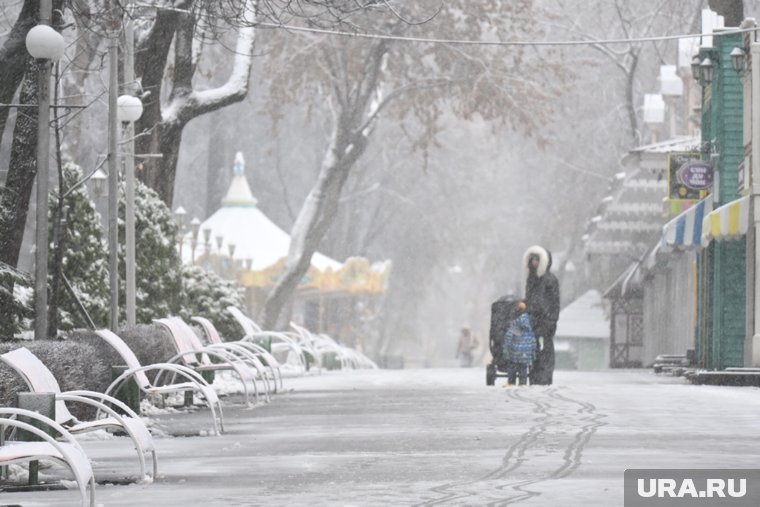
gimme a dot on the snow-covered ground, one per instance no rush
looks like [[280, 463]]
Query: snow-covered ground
[[433, 437]]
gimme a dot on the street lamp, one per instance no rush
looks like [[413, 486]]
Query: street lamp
[[99, 183], [195, 225], [128, 110], [706, 70], [695, 69], [180, 214], [45, 44], [231, 250], [219, 241], [738, 59]]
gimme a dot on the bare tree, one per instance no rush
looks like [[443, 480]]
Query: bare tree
[[360, 79], [628, 20], [13, 57], [165, 64]]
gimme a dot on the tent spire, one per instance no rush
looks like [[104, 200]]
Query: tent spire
[[239, 193]]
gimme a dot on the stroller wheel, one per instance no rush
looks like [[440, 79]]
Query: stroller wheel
[[490, 374]]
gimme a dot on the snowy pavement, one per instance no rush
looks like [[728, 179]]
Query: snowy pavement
[[434, 437]]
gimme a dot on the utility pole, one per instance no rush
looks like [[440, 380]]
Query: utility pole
[[113, 168], [129, 170], [752, 352], [43, 162]]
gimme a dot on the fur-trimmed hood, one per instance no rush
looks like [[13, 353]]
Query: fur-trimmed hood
[[544, 260]]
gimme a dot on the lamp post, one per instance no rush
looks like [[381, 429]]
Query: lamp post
[[207, 246], [219, 240], [98, 179], [195, 226], [180, 213], [706, 70], [113, 168], [45, 44], [129, 110], [231, 249]]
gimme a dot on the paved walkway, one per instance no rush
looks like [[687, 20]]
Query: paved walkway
[[435, 437]]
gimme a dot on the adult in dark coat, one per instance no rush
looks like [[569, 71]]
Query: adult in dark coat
[[542, 299]]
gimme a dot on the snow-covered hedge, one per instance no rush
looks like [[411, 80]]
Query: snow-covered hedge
[[75, 365], [208, 295], [17, 301]]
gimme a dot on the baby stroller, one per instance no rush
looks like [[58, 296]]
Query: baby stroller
[[503, 311]]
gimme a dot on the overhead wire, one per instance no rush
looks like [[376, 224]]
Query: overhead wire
[[466, 42]]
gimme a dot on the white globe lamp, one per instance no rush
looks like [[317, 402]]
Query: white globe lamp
[[129, 108], [43, 41]]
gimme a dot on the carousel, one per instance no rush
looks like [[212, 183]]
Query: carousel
[[239, 242]]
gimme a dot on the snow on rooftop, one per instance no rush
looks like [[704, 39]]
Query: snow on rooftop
[[584, 318], [241, 223]]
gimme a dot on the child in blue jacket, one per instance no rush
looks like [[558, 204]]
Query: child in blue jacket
[[519, 347]]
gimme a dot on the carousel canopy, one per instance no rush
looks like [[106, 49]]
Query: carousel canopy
[[239, 231]]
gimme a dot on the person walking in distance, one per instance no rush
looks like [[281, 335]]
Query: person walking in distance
[[467, 345], [542, 300]]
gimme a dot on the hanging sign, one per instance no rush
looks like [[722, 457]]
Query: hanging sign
[[689, 177]]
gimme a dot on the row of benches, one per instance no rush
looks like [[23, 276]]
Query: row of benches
[[250, 362]]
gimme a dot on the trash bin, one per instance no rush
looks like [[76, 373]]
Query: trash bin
[[129, 392]]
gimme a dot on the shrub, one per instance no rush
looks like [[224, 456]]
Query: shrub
[[74, 364], [159, 270], [15, 301], [147, 341], [84, 255], [208, 295]]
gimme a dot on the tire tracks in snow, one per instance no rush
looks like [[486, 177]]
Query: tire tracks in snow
[[548, 413]]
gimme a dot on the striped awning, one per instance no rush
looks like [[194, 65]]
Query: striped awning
[[685, 230], [730, 221]]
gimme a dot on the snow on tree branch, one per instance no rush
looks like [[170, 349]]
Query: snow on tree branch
[[184, 107]]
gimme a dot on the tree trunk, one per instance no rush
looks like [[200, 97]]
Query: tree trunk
[[731, 10], [13, 57], [151, 56], [161, 178], [315, 217], [164, 128], [353, 123], [22, 171], [16, 195]]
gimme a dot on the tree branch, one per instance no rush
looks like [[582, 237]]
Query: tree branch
[[195, 103]]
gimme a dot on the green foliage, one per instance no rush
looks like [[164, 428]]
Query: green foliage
[[15, 297], [208, 295], [74, 364], [164, 286], [159, 270], [149, 343], [85, 258]]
